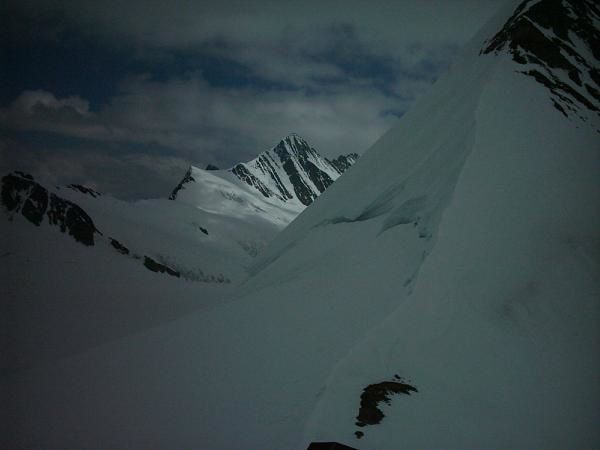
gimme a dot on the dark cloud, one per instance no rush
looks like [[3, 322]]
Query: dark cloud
[[198, 121], [117, 171], [180, 23]]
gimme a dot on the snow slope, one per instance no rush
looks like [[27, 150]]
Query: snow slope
[[221, 192], [201, 244], [468, 267]]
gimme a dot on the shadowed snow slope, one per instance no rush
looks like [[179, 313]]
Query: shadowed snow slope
[[468, 267]]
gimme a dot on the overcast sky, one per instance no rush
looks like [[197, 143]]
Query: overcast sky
[[124, 95]]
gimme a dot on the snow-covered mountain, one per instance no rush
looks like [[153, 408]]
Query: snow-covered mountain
[[80, 268], [449, 302], [277, 185], [187, 241], [206, 240]]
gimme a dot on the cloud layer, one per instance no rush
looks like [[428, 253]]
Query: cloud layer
[[220, 82]]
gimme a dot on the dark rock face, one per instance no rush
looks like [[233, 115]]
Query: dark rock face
[[547, 35], [295, 149], [294, 155], [302, 191], [70, 217], [369, 412], [247, 177], [344, 162], [36, 204], [20, 193], [119, 247], [211, 167], [328, 446], [154, 266], [186, 179], [15, 190], [267, 165], [84, 190]]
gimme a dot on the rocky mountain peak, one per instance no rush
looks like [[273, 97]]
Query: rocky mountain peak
[[293, 146], [554, 38], [290, 171], [344, 162], [22, 194]]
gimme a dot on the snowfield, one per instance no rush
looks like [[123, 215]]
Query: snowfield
[[468, 267]]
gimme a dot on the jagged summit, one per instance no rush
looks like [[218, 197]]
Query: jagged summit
[[282, 180], [554, 38], [293, 169], [344, 162]]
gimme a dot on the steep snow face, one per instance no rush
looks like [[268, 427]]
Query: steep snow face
[[500, 332], [275, 186], [465, 273]]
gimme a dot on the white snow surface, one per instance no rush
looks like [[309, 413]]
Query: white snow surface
[[221, 192], [180, 235], [469, 266]]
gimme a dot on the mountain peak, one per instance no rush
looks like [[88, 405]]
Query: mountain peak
[[292, 170], [291, 173], [294, 136], [293, 143], [344, 162], [552, 38]]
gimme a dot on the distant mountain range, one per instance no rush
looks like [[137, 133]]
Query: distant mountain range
[[227, 216]]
